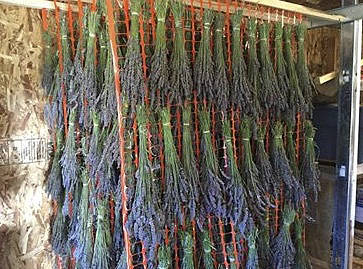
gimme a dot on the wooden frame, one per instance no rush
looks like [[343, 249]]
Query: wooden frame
[[276, 4]]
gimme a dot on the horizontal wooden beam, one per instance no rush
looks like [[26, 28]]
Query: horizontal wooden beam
[[38, 4], [276, 4]]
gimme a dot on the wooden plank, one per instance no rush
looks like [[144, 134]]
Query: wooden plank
[[327, 77], [38, 4], [277, 4]]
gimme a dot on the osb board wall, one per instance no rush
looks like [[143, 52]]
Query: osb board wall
[[24, 206]]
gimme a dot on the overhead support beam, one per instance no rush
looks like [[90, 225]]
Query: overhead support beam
[[39, 4], [310, 13]]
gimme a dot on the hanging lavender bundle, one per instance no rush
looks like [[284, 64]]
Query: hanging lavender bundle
[[283, 172], [241, 95], [269, 93], [187, 245], [204, 66], [190, 166], [221, 83], [108, 96], [295, 98], [256, 194], [59, 231], [54, 185], [235, 189], [253, 66], [180, 72], [131, 76], [176, 186], [117, 236], [252, 257], [306, 82], [290, 147], [102, 243], [146, 220], [94, 156], [207, 250], [309, 168], [283, 251], [159, 75], [89, 87], [84, 247], [301, 258], [50, 63], [267, 177], [67, 63], [212, 185], [164, 257], [281, 72], [69, 161]]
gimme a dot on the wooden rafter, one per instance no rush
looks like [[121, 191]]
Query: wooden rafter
[[276, 4]]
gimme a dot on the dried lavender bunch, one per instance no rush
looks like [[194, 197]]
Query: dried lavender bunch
[[295, 98], [54, 185], [298, 194], [301, 258], [221, 83], [253, 66], [180, 71], [212, 185], [241, 93], [108, 97], [256, 195], [117, 237], [102, 243], [103, 55], [159, 75], [309, 167], [262, 161], [290, 147], [190, 166], [146, 220], [69, 161], [89, 86], [252, 257], [50, 63], [207, 250], [73, 92], [281, 72], [132, 77], [65, 75], [164, 257], [176, 185], [270, 95], [306, 82], [283, 251], [235, 189], [59, 231], [84, 247], [263, 244], [281, 166], [204, 66], [187, 245]]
